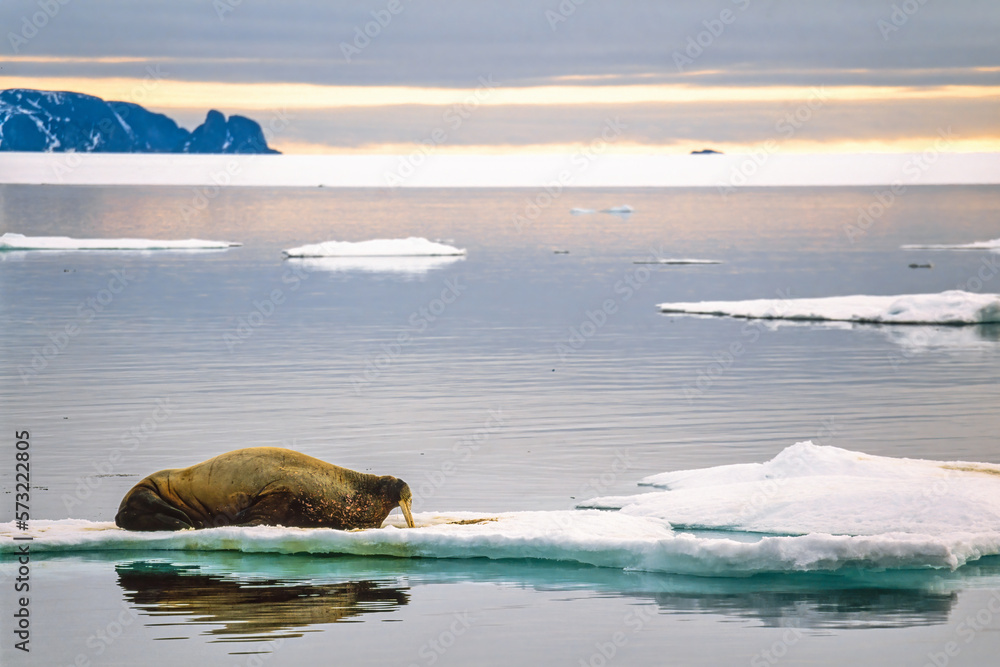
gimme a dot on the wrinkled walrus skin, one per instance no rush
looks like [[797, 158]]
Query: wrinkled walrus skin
[[262, 486]]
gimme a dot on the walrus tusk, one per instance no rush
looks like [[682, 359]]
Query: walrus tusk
[[405, 506]]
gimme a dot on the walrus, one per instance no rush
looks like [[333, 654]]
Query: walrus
[[262, 486]]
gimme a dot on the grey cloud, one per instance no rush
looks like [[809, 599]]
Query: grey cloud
[[687, 126], [452, 42]]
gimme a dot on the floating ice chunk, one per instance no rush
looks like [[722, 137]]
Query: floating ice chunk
[[977, 245], [670, 260], [604, 539], [821, 509], [409, 247], [11, 241], [582, 211], [951, 307], [809, 488], [413, 266], [624, 208]]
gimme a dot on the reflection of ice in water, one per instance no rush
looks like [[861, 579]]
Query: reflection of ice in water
[[919, 339], [22, 255], [405, 266], [913, 338]]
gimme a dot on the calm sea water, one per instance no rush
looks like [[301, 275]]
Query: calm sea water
[[517, 378]]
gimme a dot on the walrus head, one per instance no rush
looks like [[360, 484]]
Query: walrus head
[[397, 493]]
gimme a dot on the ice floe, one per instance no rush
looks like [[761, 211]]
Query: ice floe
[[811, 508], [993, 245], [409, 247], [808, 488], [623, 211], [677, 260], [951, 307], [10, 241]]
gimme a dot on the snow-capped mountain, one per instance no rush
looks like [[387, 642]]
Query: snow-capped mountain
[[39, 120]]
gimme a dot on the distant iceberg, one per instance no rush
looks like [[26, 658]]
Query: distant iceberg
[[977, 245], [679, 260], [21, 242], [410, 247], [408, 266], [808, 488], [622, 210], [951, 307], [810, 508]]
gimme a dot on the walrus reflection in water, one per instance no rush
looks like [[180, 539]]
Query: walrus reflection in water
[[249, 608], [262, 486]]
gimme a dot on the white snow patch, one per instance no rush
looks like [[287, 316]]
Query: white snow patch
[[809, 488]]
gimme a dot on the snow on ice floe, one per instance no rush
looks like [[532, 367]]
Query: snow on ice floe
[[951, 307], [677, 260], [993, 245], [404, 266], [409, 247], [821, 508], [809, 488], [11, 241]]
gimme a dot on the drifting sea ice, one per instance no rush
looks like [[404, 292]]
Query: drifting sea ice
[[832, 509], [677, 260], [409, 247], [623, 210], [951, 307], [11, 241], [993, 245], [809, 488]]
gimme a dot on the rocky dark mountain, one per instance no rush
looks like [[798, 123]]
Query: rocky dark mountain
[[39, 120]]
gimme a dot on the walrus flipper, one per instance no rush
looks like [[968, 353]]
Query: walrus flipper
[[144, 510], [273, 509]]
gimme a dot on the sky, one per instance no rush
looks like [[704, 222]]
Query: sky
[[534, 76]]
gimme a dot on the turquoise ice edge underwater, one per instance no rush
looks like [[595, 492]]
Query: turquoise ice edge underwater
[[152, 375]]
